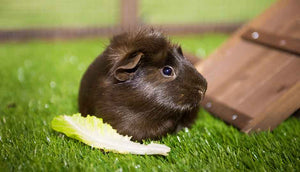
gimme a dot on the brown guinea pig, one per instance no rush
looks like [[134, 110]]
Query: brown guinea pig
[[143, 86]]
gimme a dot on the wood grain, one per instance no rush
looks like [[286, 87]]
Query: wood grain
[[253, 86], [281, 42]]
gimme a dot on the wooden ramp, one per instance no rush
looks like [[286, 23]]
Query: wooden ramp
[[254, 78]]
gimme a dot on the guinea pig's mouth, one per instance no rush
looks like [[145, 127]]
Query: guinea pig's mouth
[[202, 94], [199, 93], [193, 99]]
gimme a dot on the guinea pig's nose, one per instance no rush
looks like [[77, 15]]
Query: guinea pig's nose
[[204, 84]]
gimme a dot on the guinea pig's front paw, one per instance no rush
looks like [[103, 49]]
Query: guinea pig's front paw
[[179, 128]]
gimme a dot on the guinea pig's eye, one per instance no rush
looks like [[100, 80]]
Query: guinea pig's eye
[[167, 71]]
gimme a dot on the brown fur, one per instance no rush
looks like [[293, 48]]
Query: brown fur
[[125, 86]]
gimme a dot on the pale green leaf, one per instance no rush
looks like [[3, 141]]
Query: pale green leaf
[[92, 131]]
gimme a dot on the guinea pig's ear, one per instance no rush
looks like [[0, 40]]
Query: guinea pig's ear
[[179, 50], [127, 67]]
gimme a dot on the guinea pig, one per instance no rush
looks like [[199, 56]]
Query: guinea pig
[[142, 85]]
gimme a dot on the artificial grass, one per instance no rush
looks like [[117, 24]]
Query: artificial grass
[[16, 14], [201, 11], [92, 13], [40, 80]]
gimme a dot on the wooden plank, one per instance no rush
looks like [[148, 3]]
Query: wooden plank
[[58, 33], [247, 81], [72, 33], [253, 87], [229, 64], [285, 106], [271, 88], [222, 110], [281, 42], [183, 29], [273, 91], [253, 81]]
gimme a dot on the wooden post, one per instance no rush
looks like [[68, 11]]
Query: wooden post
[[129, 18]]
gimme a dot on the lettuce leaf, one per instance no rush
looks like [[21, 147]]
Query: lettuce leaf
[[92, 131]]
